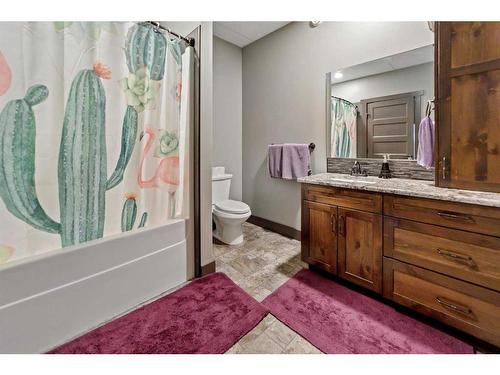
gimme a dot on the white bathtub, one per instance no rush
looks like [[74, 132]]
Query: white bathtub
[[48, 299]]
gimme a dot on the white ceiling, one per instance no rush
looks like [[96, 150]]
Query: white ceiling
[[402, 60], [244, 33]]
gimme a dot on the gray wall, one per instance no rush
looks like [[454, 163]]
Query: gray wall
[[284, 97], [227, 130], [414, 78]]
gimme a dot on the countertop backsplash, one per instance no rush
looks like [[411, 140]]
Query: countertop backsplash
[[400, 168]]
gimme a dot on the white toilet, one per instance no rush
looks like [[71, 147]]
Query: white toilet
[[228, 215]]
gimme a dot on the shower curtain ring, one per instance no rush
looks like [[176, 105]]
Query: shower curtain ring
[[156, 26]]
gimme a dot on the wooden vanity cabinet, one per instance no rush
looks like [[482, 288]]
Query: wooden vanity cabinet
[[343, 234], [439, 258]]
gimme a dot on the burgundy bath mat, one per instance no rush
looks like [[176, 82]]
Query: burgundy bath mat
[[338, 320], [208, 315]]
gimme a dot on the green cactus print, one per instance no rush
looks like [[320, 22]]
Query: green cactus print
[[17, 161], [129, 214], [144, 219], [146, 47], [82, 160], [129, 134], [82, 164]]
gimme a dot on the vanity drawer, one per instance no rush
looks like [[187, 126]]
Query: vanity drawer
[[468, 256], [468, 307], [371, 202], [467, 217]]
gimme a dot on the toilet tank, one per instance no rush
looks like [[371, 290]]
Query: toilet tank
[[221, 183]]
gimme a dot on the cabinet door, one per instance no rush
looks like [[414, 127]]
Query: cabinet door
[[319, 235], [468, 105], [360, 248]]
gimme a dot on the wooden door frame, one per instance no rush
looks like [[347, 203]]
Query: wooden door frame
[[417, 101], [195, 35]]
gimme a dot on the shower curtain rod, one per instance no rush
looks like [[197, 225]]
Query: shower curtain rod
[[156, 24], [345, 100]]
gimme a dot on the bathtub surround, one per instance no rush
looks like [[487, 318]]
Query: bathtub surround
[[71, 292], [408, 169], [284, 97], [206, 316], [338, 320]]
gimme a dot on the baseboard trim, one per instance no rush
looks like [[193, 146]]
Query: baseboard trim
[[282, 229], [208, 268]]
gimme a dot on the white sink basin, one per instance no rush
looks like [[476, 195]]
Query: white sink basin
[[358, 180]]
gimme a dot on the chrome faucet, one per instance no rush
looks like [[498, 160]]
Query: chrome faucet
[[356, 170]]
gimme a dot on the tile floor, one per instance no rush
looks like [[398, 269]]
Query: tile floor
[[260, 265]]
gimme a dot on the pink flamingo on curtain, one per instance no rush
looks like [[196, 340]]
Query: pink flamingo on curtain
[[5, 75], [167, 172]]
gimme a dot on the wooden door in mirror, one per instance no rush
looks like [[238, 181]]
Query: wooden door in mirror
[[468, 105]]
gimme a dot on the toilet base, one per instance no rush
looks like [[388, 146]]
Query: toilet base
[[237, 241], [228, 228]]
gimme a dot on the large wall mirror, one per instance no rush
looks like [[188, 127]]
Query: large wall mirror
[[374, 108]]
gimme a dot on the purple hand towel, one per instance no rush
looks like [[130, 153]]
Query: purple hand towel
[[425, 153], [274, 153], [296, 161]]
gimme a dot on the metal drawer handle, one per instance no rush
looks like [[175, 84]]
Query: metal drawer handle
[[334, 223], [454, 306], [454, 216], [444, 168], [457, 257], [342, 226]]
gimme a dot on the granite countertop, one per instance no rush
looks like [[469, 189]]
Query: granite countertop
[[403, 186]]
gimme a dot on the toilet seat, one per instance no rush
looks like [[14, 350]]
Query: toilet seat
[[232, 207]]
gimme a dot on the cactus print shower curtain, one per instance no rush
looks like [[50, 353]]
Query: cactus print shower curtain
[[94, 130], [343, 134]]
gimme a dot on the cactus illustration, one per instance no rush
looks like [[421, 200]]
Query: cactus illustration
[[82, 160], [129, 214], [82, 165], [17, 160], [144, 218], [145, 46], [129, 134]]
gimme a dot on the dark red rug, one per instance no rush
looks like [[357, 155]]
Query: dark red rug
[[336, 319], [209, 315]]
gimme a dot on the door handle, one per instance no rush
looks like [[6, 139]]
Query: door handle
[[334, 223], [342, 226]]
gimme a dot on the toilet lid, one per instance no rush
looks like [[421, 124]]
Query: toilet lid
[[234, 207]]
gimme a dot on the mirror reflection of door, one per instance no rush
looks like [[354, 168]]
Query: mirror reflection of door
[[389, 95], [391, 125]]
